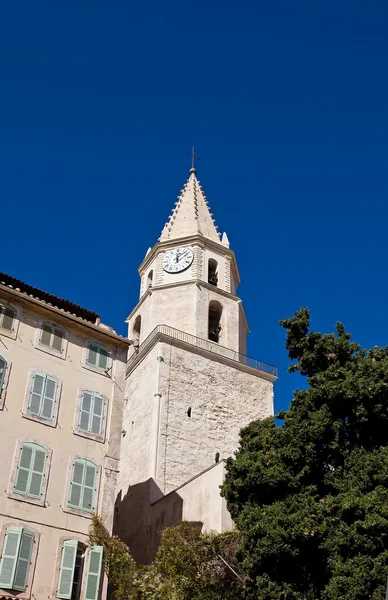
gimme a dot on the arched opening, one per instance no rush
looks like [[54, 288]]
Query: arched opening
[[214, 323], [217, 457], [212, 272], [136, 330], [150, 278]]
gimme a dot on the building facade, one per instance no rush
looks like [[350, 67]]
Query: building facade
[[62, 377], [190, 387]]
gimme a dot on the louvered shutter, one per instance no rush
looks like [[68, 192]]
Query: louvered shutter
[[85, 411], [23, 469], [9, 557], [36, 393], [38, 466], [3, 367], [66, 573], [45, 338], [92, 354], [102, 358], [50, 389], [8, 316], [97, 415], [76, 484], [23, 562], [58, 339], [93, 573], [89, 486]]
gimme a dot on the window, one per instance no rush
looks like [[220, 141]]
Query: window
[[16, 558], [150, 278], [8, 320], [91, 413], [97, 356], [72, 567], [83, 485], [43, 398], [30, 470], [213, 272], [214, 326], [136, 331], [4, 375], [52, 338]]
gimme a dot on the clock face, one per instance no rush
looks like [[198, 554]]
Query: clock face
[[177, 259]]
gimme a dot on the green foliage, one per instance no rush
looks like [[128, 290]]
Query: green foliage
[[310, 498], [188, 566]]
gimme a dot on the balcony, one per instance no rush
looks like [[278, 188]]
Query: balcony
[[166, 333]]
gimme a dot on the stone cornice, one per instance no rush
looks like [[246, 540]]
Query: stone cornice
[[160, 334]]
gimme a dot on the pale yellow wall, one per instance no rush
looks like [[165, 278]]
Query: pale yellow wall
[[51, 520]]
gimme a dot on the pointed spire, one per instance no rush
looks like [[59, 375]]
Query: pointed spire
[[191, 214]]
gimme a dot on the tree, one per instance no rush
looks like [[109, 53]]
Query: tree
[[189, 565], [310, 498]]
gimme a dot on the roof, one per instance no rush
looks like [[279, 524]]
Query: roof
[[50, 299], [191, 214]]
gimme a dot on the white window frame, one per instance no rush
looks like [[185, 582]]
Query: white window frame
[[15, 327], [81, 432], [3, 389], [48, 349], [29, 499], [77, 511], [108, 372], [27, 593], [26, 414]]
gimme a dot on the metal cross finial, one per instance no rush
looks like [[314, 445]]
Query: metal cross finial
[[193, 157]]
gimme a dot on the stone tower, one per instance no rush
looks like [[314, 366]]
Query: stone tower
[[190, 386]]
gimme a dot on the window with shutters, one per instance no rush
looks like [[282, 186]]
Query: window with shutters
[[98, 358], [51, 338], [90, 416], [9, 320], [5, 367], [42, 400], [71, 570], [82, 495], [18, 556], [30, 474]]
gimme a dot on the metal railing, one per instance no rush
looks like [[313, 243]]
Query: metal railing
[[207, 345]]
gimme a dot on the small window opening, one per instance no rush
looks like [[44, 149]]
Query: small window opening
[[213, 272], [217, 457], [78, 570], [136, 330], [150, 278], [214, 327], [189, 411]]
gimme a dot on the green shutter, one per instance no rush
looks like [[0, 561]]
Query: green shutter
[[9, 556], [93, 572], [58, 339], [23, 563], [66, 573], [23, 469], [97, 415], [50, 390], [85, 411], [45, 338], [92, 354], [102, 358], [30, 470], [3, 367], [82, 486], [36, 393]]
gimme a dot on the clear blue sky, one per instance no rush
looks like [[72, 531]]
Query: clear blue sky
[[286, 103]]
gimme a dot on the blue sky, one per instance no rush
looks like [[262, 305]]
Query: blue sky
[[286, 103]]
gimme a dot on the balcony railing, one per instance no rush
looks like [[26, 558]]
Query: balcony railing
[[207, 345]]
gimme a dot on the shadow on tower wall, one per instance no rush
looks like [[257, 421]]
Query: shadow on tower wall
[[139, 523]]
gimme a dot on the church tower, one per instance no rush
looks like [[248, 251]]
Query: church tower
[[190, 387]]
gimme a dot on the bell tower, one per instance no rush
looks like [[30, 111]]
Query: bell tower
[[190, 387], [189, 278]]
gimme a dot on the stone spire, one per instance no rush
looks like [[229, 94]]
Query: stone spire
[[191, 214]]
